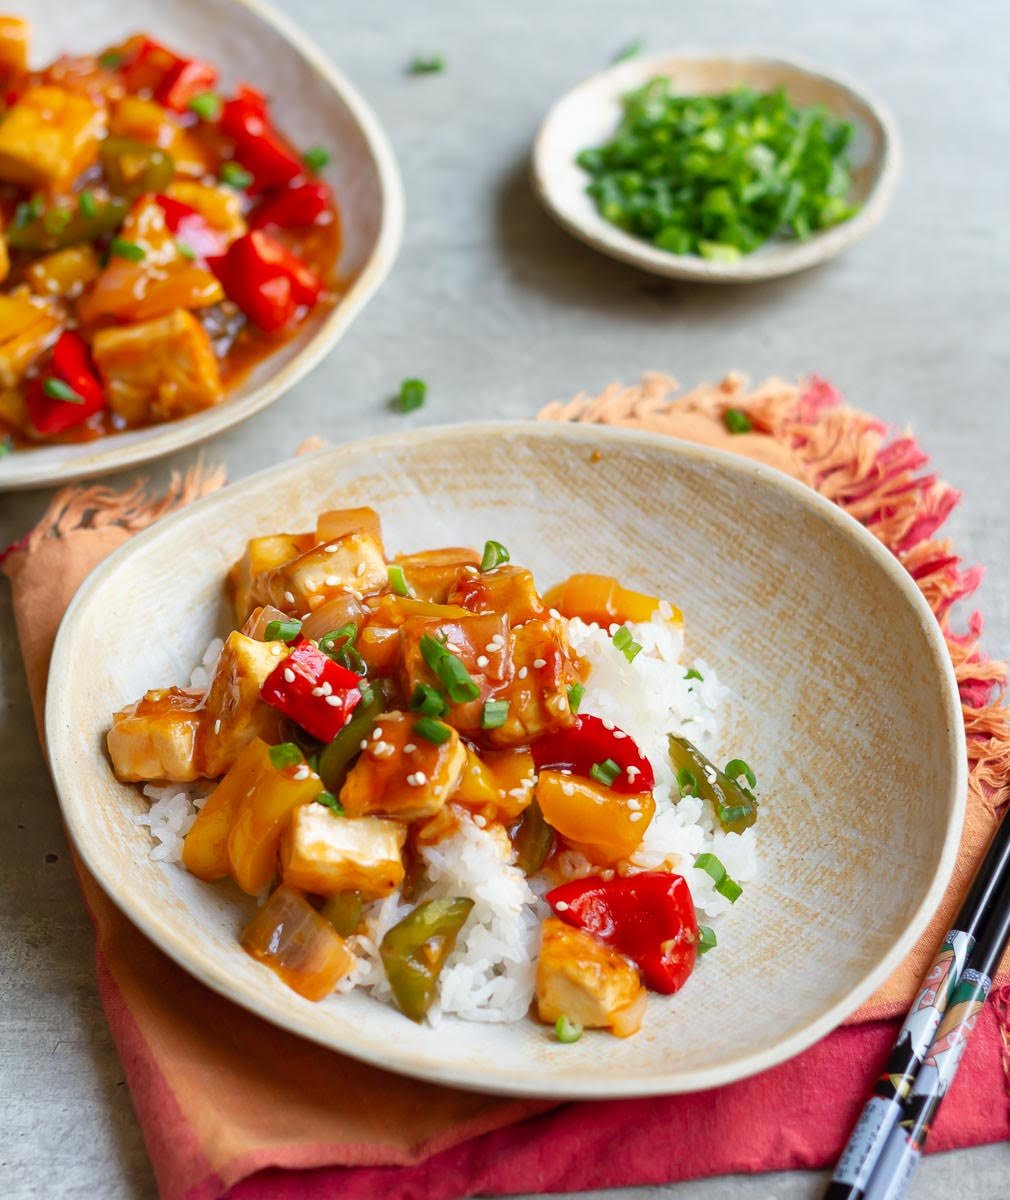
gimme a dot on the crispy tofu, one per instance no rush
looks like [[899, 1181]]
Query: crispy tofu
[[28, 326], [156, 738], [220, 207], [400, 773], [63, 273], [49, 137], [324, 853], [15, 35], [587, 982], [506, 589], [262, 554], [234, 714], [354, 562], [432, 574], [159, 369], [543, 671]]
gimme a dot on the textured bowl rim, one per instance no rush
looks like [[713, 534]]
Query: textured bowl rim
[[187, 951], [787, 258], [106, 455]]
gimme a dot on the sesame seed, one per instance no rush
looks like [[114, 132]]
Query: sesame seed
[[333, 701], [635, 816], [409, 748], [619, 735], [421, 777], [302, 772], [217, 725], [634, 804], [471, 570], [289, 675], [539, 662], [613, 629], [359, 570], [332, 581], [633, 771], [480, 821], [275, 648], [363, 744], [383, 750], [289, 597], [523, 672], [482, 660], [327, 687], [377, 733], [332, 548], [412, 780], [568, 789], [318, 691], [562, 906], [607, 723], [475, 770], [555, 614], [566, 771]]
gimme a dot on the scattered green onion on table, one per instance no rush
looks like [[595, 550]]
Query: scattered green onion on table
[[718, 176]]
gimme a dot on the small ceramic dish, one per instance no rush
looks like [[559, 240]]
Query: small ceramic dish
[[589, 114], [843, 692], [313, 101]]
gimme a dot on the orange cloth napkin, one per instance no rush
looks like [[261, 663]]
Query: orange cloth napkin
[[221, 1095]]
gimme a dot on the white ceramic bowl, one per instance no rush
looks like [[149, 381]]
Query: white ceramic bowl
[[588, 115], [845, 703], [248, 41]]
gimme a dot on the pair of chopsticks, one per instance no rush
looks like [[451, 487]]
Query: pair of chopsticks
[[887, 1142]]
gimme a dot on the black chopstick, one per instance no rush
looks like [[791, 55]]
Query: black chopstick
[[887, 1141]]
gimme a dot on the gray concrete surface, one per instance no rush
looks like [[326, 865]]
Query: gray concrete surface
[[501, 311]]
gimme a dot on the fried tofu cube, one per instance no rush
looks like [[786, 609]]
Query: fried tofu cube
[[480, 641], [586, 981], [324, 853], [28, 326], [64, 273], [157, 370], [543, 671], [15, 34], [262, 554], [506, 589], [400, 773], [432, 574], [156, 738], [234, 713], [49, 137], [355, 562], [220, 207]]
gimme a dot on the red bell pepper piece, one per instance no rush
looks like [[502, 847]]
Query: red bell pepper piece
[[148, 67], [70, 366], [186, 79], [648, 917], [314, 691], [191, 227], [266, 280], [266, 154], [590, 741], [303, 204]]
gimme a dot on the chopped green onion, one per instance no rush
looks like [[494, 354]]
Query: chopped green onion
[[286, 754], [128, 250], [432, 730], [624, 642], [398, 581], [419, 65], [454, 676], [316, 157], [567, 1031], [737, 767], [605, 772], [328, 800], [737, 421], [693, 674], [687, 781], [338, 644], [56, 389], [86, 204], [575, 694], [110, 59], [411, 395], [706, 939], [724, 885], [235, 175], [428, 700], [27, 211], [207, 106], [56, 220], [495, 714], [631, 50], [6, 445], [494, 555], [282, 631], [185, 250]]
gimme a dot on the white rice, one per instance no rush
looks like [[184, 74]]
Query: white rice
[[490, 974]]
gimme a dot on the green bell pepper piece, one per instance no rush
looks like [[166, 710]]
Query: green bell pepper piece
[[343, 911], [336, 758], [132, 167], [532, 839], [414, 952], [735, 806], [60, 226]]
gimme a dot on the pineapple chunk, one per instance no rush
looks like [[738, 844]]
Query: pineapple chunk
[[158, 369], [587, 982], [262, 554], [506, 589], [401, 774], [497, 783], [15, 33], [220, 207], [64, 273], [324, 853], [147, 121], [205, 848], [156, 737], [538, 693], [355, 562], [28, 326], [432, 574], [49, 137], [5, 258], [14, 410], [339, 522], [235, 714]]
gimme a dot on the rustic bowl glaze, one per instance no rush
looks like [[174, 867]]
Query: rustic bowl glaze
[[249, 41], [845, 702], [589, 114]]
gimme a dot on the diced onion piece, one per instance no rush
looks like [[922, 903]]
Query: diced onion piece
[[302, 947]]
